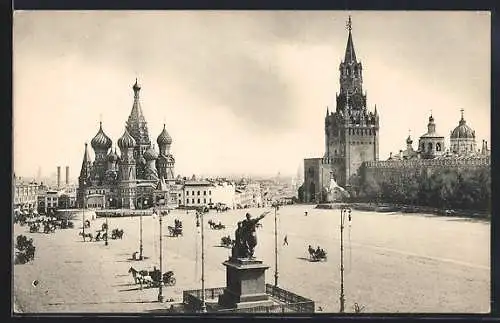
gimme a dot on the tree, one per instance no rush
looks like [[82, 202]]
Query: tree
[[25, 250]]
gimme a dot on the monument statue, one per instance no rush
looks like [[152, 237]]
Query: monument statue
[[246, 237]]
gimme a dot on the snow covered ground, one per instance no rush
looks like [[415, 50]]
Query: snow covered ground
[[393, 262]]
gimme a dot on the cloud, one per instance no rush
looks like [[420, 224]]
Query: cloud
[[252, 80]]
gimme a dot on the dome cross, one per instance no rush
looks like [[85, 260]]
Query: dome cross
[[349, 24]]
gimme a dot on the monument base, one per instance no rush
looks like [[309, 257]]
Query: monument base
[[246, 284]]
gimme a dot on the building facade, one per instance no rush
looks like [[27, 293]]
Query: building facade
[[351, 132], [129, 179], [25, 194], [198, 193]]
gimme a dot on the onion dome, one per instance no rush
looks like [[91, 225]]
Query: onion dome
[[112, 156], [150, 154], [164, 138], [409, 141], [101, 141], [126, 141], [462, 131]]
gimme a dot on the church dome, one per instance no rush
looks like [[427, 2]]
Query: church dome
[[126, 141], [463, 131], [164, 138], [409, 141], [150, 154], [101, 141]]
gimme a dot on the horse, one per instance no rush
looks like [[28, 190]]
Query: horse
[[226, 241], [218, 226], [34, 228], [134, 274], [146, 280], [312, 252], [87, 235], [117, 234], [317, 254], [174, 232]]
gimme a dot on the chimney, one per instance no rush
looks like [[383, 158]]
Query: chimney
[[67, 175], [58, 176]]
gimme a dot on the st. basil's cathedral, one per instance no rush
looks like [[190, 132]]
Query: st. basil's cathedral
[[135, 178]]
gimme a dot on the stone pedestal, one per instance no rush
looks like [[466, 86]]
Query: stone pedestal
[[245, 284]]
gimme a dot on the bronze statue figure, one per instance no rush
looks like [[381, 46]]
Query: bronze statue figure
[[246, 237]]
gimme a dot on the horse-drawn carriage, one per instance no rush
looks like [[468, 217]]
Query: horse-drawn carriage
[[117, 234], [101, 235], [216, 226], [226, 242], [176, 230], [49, 227], [317, 254], [34, 227], [152, 278]]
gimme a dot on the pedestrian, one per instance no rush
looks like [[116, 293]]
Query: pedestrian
[[305, 213], [285, 240]]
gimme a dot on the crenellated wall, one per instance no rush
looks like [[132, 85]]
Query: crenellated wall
[[397, 170]]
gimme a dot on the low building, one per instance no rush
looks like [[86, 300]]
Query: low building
[[25, 194], [198, 193]]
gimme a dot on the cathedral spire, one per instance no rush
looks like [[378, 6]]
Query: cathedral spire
[[136, 123], [86, 165], [86, 156], [136, 113], [350, 54]]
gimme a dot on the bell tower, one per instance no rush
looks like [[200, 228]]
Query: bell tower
[[351, 132]]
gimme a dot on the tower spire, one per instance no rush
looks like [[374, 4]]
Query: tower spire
[[86, 156], [136, 123], [350, 54]]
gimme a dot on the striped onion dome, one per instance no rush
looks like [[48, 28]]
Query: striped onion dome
[[164, 138], [101, 140], [126, 141]]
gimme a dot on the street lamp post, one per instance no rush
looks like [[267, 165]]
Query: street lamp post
[[276, 208], [106, 240], [343, 211], [83, 214], [203, 304], [160, 290], [144, 203]]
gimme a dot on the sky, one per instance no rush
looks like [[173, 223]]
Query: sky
[[240, 92]]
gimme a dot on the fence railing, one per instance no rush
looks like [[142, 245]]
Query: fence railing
[[193, 298], [292, 303], [296, 302]]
